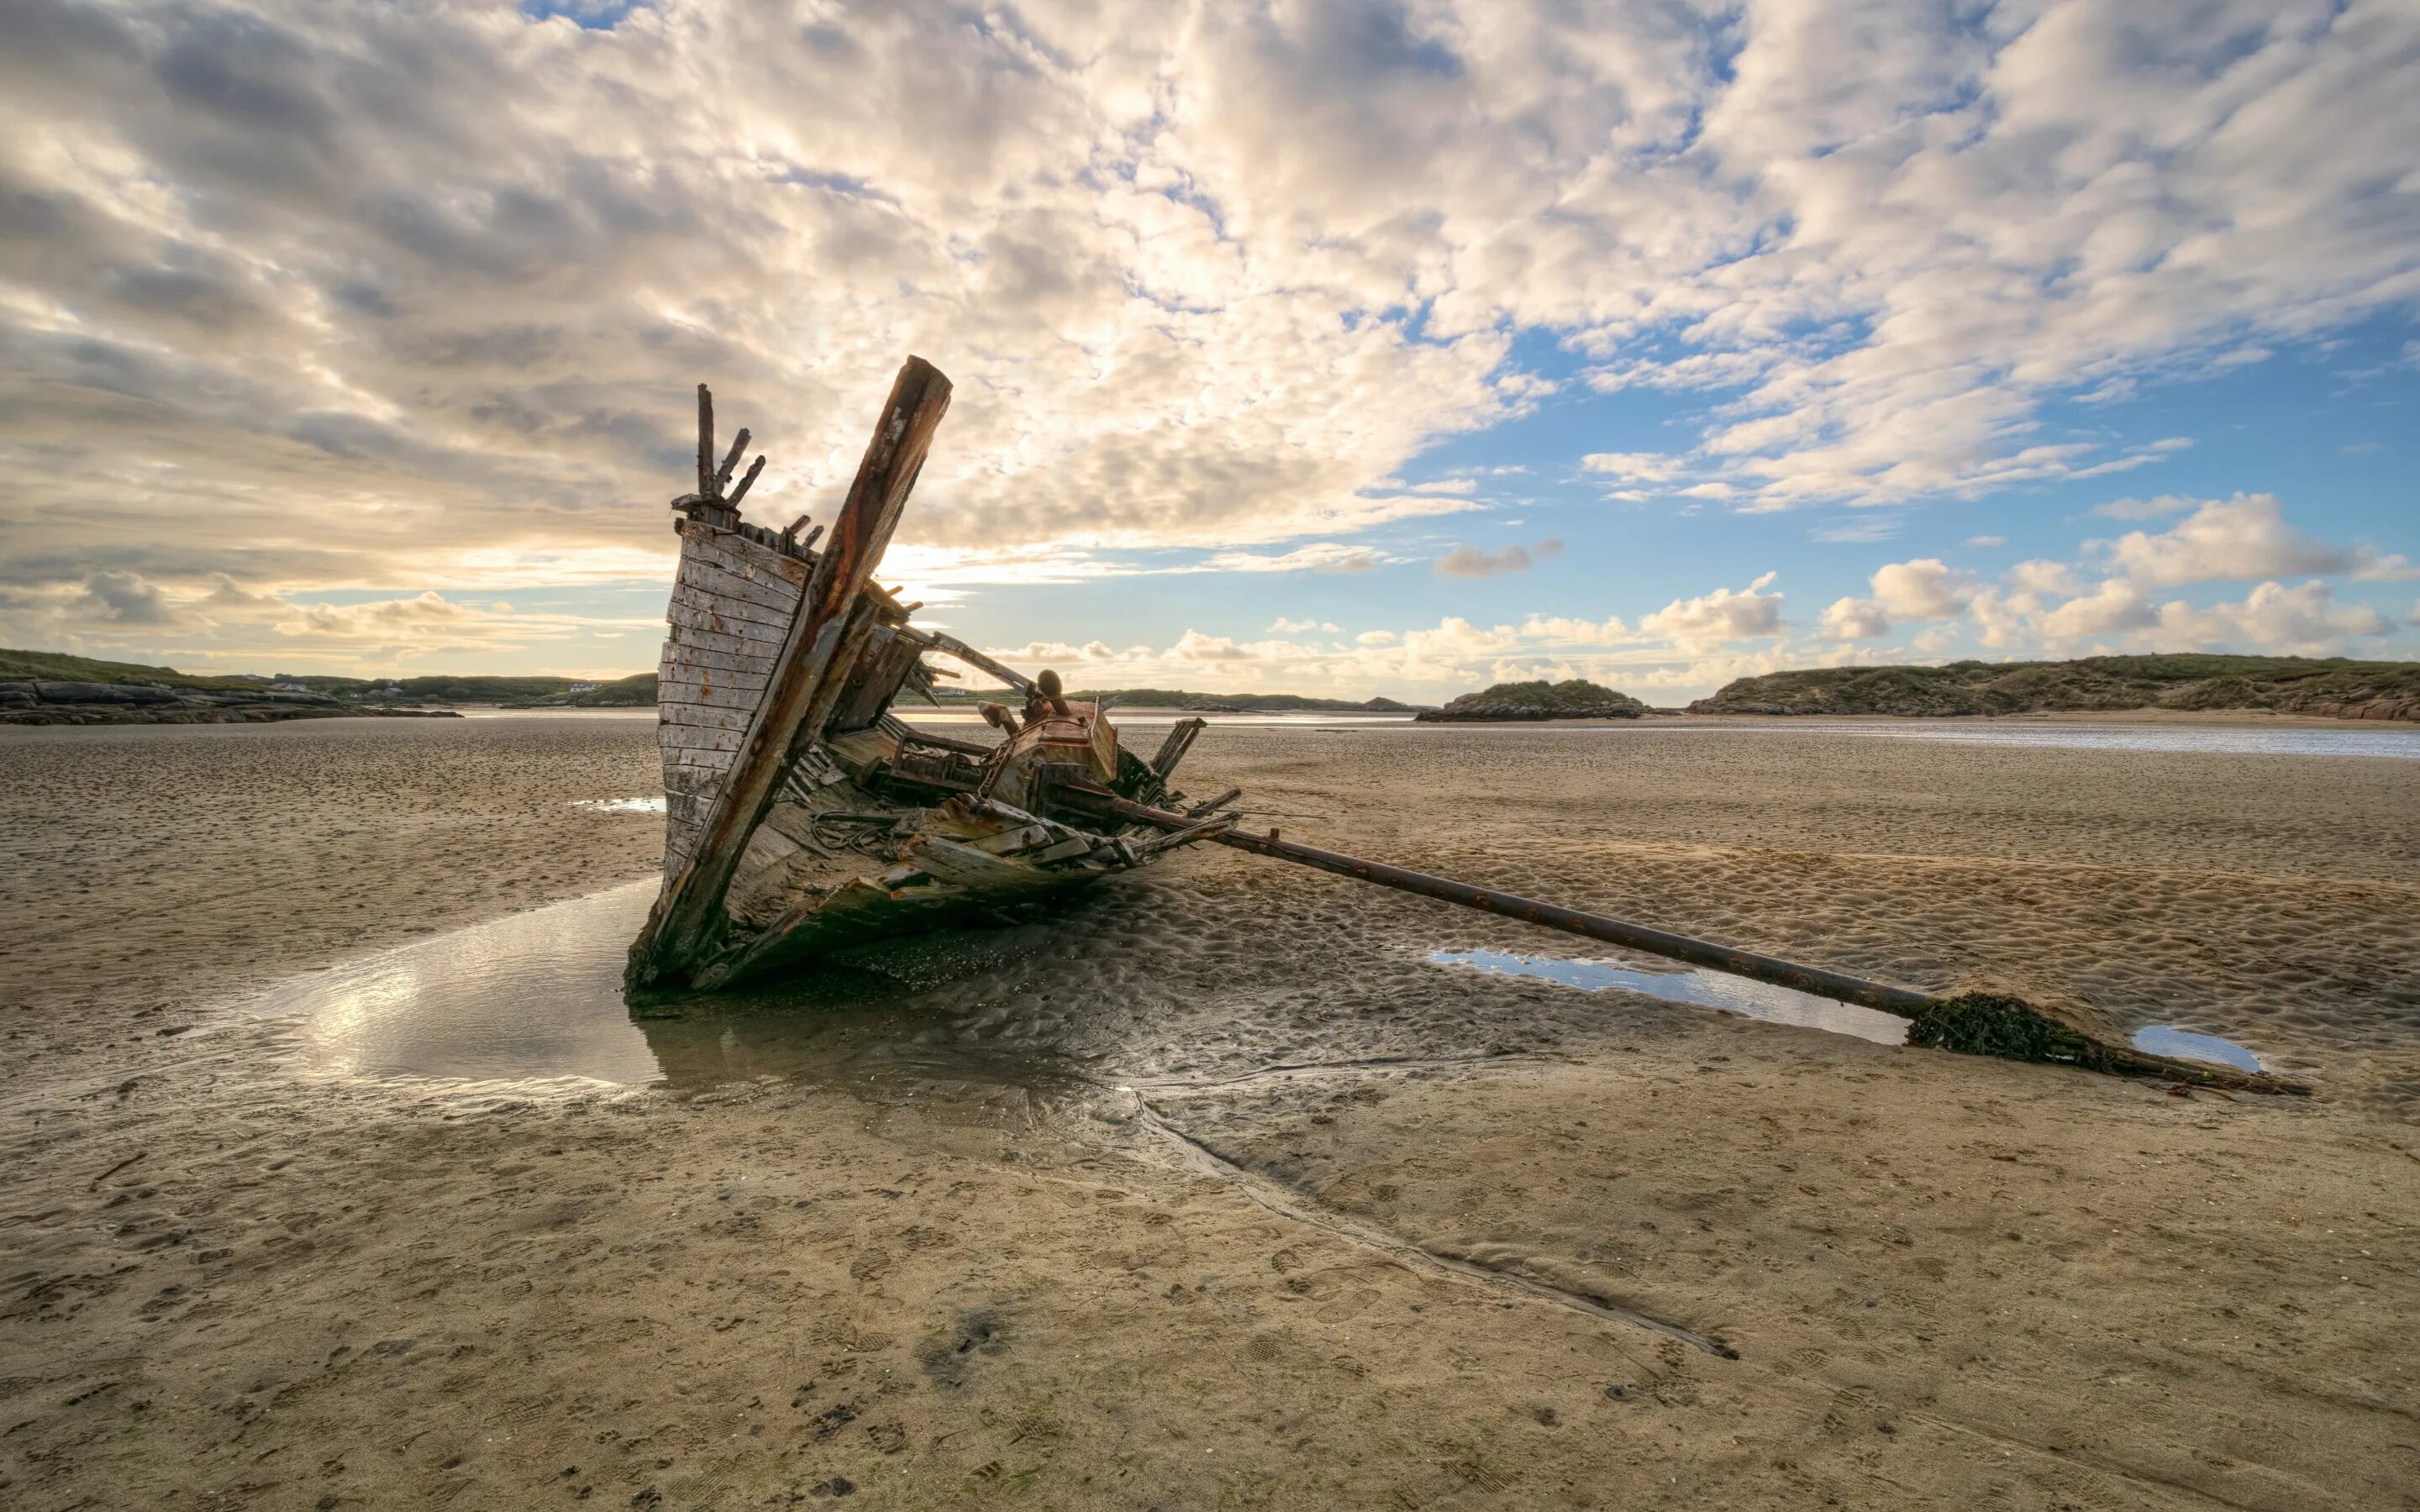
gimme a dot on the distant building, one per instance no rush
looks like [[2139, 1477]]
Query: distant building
[[583, 688]]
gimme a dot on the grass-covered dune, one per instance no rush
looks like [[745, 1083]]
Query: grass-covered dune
[[58, 666], [546, 692], [1574, 699], [2333, 686]]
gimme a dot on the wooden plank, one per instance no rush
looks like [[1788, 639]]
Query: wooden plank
[[976, 659], [712, 690], [704, 718], [688, 922], [681, 656], [1171, 751], [704, 619], [724, 587], [743, 555], [742, 697], [701, 741], [717, 643], [714, 576], [691, 663], [698, 601], [876, 679], [681, 776]]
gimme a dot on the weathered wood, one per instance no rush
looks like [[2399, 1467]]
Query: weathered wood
[[688, 618], [768, 594], [683, 659], [683, 682], [879, 673], [741, 697], [900, 730], [976, 659], [687, 923], [1171, 751], [704, 442], [1220, 802], [729, 460], [703, 718], [696, 602], [746, 482], [744, 554]]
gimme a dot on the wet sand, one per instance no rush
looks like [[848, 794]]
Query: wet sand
[[1026, 1218]]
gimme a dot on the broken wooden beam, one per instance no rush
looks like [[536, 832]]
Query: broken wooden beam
[[746, 482], [1937, 1022], [688, 921], [976, 659], [1180, 740], [730, 459]]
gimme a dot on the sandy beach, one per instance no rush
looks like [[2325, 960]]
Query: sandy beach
[[1217, 1190]]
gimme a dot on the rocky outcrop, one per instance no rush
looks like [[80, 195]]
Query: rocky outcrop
[[2331, 687], [1577, 699]]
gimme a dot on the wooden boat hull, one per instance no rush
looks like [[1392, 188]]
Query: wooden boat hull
[[802, 815]]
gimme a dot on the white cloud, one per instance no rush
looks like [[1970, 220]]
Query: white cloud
[[1321, 556], [330, 297], [1282, 626], [2303, 621], [2145, 508], [1856, 619], [1924, 589], [1635, 466], [2241, 539], [1707, 623], [1985, 542], [2113, 606], [220, 625], [2043, 577]]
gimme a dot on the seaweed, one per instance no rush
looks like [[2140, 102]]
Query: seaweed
[[1991, 1024], [2011, 1028]]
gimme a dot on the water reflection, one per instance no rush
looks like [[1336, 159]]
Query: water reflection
[[537, 997], [2183, 1044], [1689, 984]]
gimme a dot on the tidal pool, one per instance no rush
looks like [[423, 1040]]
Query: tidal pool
[[536, 998], [2183, 1044], [1691, 985]]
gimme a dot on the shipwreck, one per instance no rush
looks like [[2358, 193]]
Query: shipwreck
[[804, 814]]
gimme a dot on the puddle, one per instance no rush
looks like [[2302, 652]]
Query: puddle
[[2183, 1044], [654, 805], [1684, 984], [536, 998]]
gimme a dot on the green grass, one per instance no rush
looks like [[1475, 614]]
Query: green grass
[[2285, 685], [58, 666]]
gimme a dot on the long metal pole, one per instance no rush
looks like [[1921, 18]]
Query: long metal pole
[[1832, 984]]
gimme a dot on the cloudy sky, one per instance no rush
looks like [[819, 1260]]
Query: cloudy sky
[[1351, 347]]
